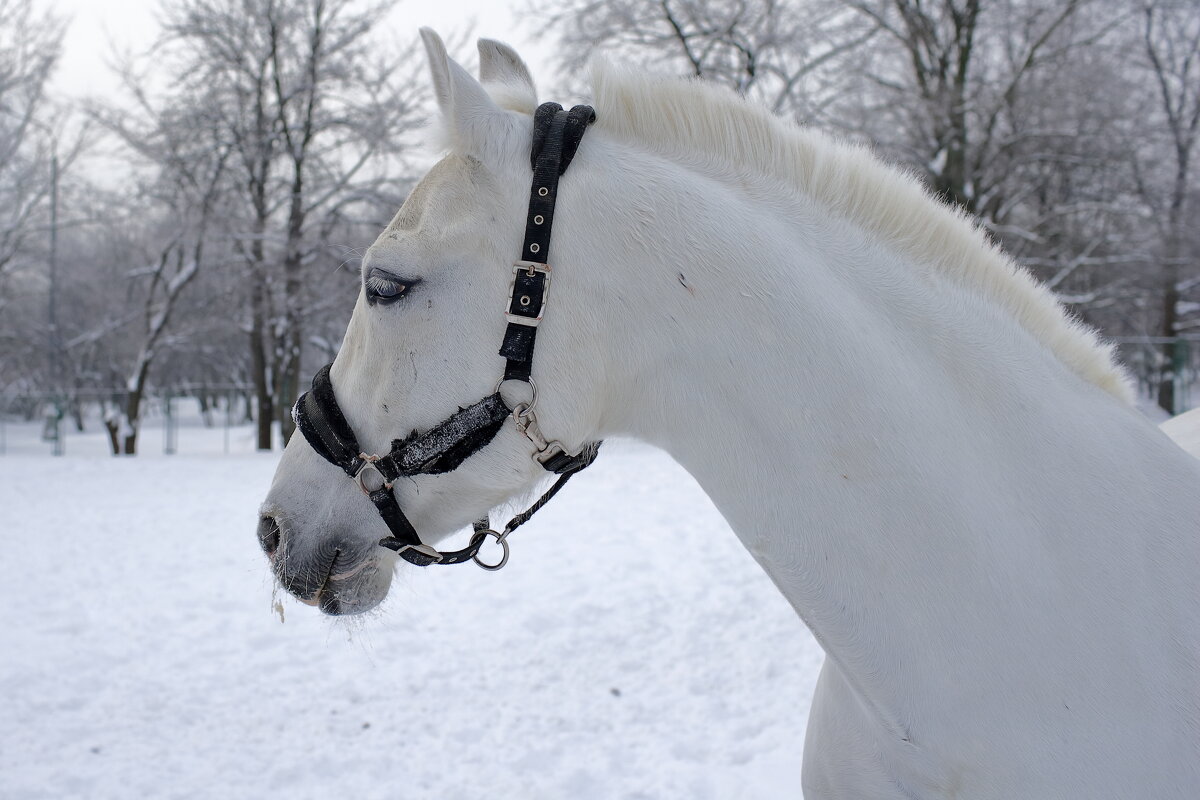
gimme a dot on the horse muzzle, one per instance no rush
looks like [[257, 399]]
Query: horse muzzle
[[338, 574]]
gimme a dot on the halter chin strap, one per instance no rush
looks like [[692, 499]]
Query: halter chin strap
[[556, 136]]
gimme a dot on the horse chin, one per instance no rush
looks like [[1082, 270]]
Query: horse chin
[[354, 589]]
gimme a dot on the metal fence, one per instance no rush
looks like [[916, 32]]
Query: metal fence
[[55, 419]]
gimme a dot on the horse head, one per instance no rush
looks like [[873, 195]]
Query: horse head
[[437, 291]]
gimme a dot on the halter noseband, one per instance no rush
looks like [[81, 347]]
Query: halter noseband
[[556, 136]]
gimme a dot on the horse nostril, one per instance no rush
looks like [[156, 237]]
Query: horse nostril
[[268, 535]]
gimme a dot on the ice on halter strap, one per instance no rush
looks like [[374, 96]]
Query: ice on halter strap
[[556, 137]]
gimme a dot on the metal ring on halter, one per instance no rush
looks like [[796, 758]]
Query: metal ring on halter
[[369, 465], [504, 546], [521, 409]]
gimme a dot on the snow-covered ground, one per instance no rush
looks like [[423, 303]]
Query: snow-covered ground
[[630, 649], [1185, 430]]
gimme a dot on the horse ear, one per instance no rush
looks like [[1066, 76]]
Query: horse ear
[[439, 66], [506, 77], [474, 124]]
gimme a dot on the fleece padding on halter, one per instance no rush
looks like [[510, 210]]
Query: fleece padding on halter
[[438, 450], [443, 448]]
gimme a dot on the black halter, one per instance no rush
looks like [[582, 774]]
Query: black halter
[[556, 135]]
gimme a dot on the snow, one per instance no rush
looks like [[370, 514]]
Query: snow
[[630, 649], [1185, 430]]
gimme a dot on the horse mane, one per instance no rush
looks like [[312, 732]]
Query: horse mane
[[704, 123]]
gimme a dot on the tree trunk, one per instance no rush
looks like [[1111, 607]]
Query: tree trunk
[[291, 340], [288, 392], [132, 416], [75, 406], [263, 407], [1172, 351], [114, 434], [289, 369], [259, 365], [206, 402], [1167, 376], [133, 406]]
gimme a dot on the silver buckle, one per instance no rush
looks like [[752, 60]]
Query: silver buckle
[[423, 549], [369, 464], [529, 268]]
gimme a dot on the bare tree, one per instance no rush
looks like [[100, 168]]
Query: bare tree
[[953, 85], [941, 86], [39, 144], [781, 53], [316, 112], [265, 140], [29, 48], [1030, 114], [1171, 38], [183, 143]]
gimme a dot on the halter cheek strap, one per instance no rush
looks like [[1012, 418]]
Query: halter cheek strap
[[320, 420], [556, 137]]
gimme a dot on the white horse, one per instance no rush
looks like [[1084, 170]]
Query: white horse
[[942, 472]]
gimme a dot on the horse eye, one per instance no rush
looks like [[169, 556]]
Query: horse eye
[[385, 290]]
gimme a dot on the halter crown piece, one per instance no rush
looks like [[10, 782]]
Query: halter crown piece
[[556, 136]]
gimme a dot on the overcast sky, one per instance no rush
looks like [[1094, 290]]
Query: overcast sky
[[96, 26]]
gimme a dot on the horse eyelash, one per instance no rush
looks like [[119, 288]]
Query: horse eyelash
[[377, 286]]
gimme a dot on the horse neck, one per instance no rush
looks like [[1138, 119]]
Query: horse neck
[[866, 429]]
